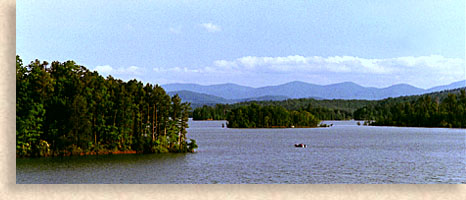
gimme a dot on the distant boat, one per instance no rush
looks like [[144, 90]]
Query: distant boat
[[300, 145]]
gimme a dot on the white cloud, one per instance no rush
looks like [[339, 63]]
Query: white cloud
[[346, 64], [211, 27], [105, 69], [422, 71], [225, 64], [109, 70], [132, 70], [175, 30], [177, 69]]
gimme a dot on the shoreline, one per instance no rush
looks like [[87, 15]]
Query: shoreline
[[93, 153], [413, 126]]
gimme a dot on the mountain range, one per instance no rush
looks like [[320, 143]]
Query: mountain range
[[200, 99], [233, 93]]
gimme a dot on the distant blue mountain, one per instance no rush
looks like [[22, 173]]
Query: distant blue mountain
[[263, 98], [232, 93], [200, 99], [454, 85], [227, 91]]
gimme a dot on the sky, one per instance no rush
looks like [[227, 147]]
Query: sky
[[253, 43]]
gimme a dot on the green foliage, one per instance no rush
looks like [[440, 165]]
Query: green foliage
[[192, 145], [255, 116], [441, 109], [336, 109], [218, 112], [65, 109]]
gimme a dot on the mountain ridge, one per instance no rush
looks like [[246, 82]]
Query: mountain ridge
[[200, 99], [232, 93]]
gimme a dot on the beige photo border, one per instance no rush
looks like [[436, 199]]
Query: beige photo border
[[10, 190]]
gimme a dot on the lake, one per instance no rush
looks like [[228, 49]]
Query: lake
[[343, 153]]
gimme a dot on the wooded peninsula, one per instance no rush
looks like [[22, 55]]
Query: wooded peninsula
[[65, 109]]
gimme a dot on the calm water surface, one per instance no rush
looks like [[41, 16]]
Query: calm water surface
[[343, 153]]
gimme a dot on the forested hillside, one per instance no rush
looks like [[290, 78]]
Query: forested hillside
[[439, 109], [64, 109], [322, 109]]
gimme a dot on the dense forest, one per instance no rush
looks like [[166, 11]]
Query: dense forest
[[65, 109], [322, 109], [217, 112], [255, 116], [438, 109], [441, 109]]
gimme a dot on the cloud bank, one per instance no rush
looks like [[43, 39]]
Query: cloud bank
[[434, 64], [421, 71], [108, 70], [124, 73]]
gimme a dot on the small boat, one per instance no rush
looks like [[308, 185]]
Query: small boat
[[300, 145]]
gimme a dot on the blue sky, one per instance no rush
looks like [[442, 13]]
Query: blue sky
[[372, 43]]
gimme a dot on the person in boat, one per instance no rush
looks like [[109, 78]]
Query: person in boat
[[300, 145]]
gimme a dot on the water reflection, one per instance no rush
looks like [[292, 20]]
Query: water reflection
[[343, 153]]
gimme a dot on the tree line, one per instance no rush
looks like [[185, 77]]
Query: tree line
[[65, 109], [217, 112], [438, 109], [336, 109], [442, 109], [256, 116]]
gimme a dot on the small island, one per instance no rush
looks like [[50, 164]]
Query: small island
[[255, 116]]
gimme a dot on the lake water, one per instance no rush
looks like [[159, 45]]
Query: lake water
[[343, 153]]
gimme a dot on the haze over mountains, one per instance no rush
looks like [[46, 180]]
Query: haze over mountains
[[200, 99], [232, 93]]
